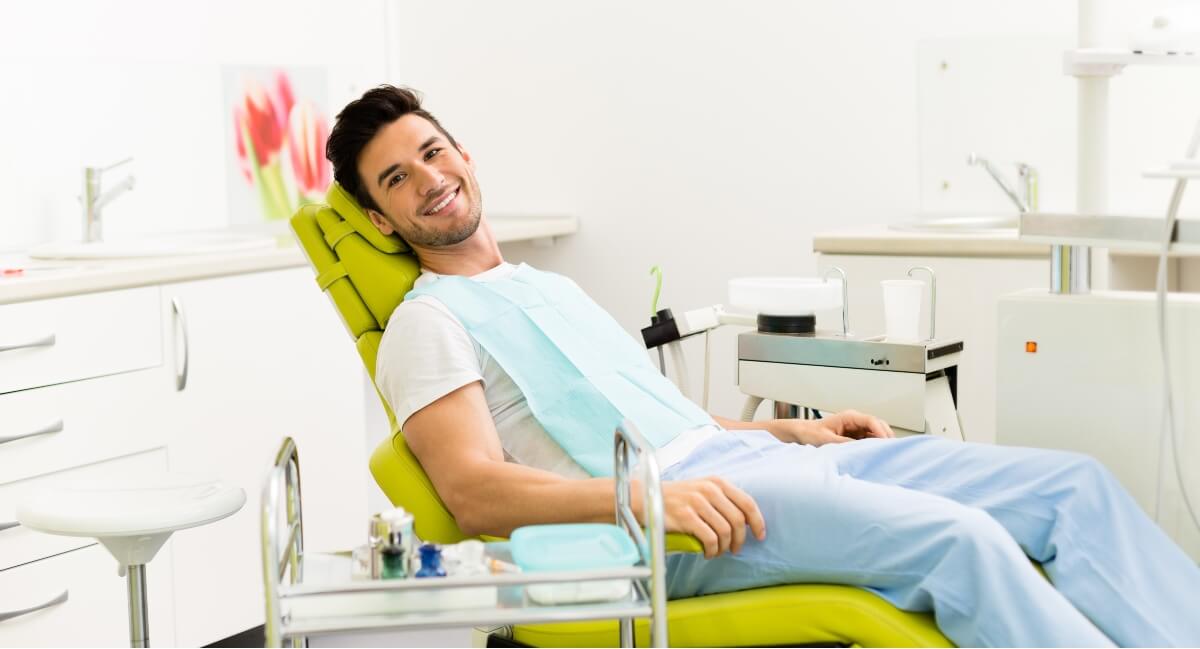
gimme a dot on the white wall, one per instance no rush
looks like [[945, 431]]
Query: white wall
[[95, 82], [714, 139]]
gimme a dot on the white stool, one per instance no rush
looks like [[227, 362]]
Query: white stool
[[132, 518]]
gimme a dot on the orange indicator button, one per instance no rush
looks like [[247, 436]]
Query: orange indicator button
[[1031, 347]]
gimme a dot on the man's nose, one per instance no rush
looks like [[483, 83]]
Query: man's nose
[[431, 179]]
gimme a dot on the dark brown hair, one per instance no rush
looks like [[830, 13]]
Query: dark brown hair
[[358, 122]]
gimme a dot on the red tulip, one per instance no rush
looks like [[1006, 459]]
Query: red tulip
[[260, 120], [283, 98], [239, 118], [306, 136]]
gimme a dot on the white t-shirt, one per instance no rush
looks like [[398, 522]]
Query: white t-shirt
[[426, 354]]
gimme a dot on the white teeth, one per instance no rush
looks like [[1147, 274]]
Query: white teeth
[[444, 203]]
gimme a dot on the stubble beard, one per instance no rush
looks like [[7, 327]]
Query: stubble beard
[[425, 237]]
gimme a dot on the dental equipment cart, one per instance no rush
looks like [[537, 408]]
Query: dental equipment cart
[[314, 594]]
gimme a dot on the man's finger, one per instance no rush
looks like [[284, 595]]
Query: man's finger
[[736, 519], [866, 425], [754, 518], [718, 524], [829, 435], [703, 533]]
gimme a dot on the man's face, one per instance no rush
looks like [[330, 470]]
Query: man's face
[[424, 186]]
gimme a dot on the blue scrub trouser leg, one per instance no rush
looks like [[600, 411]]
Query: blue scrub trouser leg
[[1066, 511], [890, 515]]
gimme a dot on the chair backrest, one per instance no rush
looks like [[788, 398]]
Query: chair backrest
[[366, 274]]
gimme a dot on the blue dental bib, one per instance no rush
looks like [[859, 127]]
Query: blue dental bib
[[580, 372]]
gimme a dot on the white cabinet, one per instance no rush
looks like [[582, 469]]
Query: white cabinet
[[46, 342], [266, 357], [967, 292], [212, 373], [95, 613], [90, 421]]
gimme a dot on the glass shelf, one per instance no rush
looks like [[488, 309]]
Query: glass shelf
[[328, 600]]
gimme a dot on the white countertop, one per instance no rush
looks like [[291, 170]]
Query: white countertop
[[881, 240], [54, 278]]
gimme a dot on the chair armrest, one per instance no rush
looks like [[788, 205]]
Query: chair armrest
[[678, 542]]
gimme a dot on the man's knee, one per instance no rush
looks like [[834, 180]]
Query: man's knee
[[976, 531]]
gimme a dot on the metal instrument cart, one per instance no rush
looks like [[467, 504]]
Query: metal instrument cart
[[314, 594]]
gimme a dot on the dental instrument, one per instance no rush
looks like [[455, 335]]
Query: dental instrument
[[913, 386]]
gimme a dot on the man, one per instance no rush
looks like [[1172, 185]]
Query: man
[[507, 382]]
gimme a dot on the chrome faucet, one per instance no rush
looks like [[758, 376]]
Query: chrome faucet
[[93, 200], [1026, 200]]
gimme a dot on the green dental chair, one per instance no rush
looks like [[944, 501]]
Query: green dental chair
[[367, 274]]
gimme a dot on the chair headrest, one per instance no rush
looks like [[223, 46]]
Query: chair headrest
[[348, 208]]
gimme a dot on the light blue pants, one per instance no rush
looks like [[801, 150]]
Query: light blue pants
[[934, 525]]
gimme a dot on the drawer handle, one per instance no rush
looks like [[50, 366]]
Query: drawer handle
[[8, 525], [8, 615], [181, 376], [45, 341], [56, 427]]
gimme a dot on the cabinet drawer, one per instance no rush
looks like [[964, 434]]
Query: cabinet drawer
[[21, 545], [46, 342], [89, 421], [95, 613]]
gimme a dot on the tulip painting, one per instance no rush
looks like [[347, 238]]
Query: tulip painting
[[279, 141]]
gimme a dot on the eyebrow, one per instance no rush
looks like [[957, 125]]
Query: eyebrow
[[393, 167], [386, 172]]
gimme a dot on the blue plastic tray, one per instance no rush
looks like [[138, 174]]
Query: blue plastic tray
[[573, 546]]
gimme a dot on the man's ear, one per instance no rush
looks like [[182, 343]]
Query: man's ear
[[466, 156], [380, 222]]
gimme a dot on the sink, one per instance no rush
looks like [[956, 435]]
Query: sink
[[160, 245], [961, 225]]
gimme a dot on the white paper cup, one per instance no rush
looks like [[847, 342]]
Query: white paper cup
[[902, 309]]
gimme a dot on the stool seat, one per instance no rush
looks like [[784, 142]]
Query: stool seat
[[131, 507], [132, 517]]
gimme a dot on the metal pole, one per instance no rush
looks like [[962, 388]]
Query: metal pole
[[139, 620], [784, 410], [626, 632], [1071, 266]]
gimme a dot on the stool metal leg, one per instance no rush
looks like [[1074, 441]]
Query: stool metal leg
[[139, 621]]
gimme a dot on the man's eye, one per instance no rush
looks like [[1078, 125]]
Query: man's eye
[[395, 180], [432, 152]]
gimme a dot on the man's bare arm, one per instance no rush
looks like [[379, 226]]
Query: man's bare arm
[[456, 442]]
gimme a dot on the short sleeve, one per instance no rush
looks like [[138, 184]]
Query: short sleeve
[[424, 355]]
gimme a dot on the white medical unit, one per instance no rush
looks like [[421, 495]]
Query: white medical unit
[[1083, 373], [911, 386]]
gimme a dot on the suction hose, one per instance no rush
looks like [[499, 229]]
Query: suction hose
[[750, 408]]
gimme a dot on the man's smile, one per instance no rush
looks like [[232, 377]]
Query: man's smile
[[443, 203]]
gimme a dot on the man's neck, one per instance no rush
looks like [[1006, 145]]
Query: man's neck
[[472, 256]]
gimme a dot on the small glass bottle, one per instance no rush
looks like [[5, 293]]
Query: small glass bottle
[[393, 558], [431, 561], [395, 553]]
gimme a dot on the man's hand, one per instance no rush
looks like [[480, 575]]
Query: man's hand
[[845, 426], [714, 511]]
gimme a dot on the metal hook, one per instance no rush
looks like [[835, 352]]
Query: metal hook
[[845, 297], [932, 297]]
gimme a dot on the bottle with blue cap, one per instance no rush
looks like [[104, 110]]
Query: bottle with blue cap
[[431, 562]]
